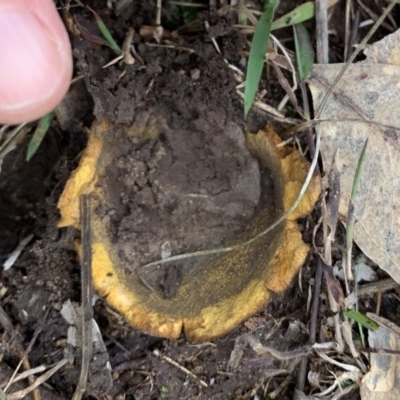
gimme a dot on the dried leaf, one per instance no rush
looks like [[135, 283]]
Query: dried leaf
[[364, 105], [333, 284], [382, 382]]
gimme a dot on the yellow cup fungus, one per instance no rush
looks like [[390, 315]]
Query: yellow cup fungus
[[222, 290]]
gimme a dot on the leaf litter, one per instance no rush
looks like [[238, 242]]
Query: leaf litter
[[358, 110], [362, 108]]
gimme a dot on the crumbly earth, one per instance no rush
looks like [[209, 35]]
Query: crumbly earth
[[194, 187]]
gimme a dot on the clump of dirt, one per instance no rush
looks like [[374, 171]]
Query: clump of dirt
[[194, 187]]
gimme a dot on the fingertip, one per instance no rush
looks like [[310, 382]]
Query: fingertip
[[36, 55]]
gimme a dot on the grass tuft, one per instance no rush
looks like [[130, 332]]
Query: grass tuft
[[257, 53]]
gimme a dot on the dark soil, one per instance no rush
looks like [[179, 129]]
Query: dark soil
[[193, 188]]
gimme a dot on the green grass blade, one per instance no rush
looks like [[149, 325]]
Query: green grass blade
[[362, 320], [300, 14], [304, 51], [257, 53], [2, 395], [106, 33], [40, 132]]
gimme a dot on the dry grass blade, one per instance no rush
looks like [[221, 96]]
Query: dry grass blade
[[257, 54], [87, 294], [16, 253], [25, 374], [43, 378], [285, 84], [183, 369], [379, 286], [351, 216], [13, 138]]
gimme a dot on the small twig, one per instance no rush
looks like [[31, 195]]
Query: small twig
[[382, 352], [373, 287], [315, 301], [378, 303], [207, 26], [293, 70], [170, 46], [87, 294], [275, 114], [158, 14], [280, 388], [158, 30], [301, 375], [321, 16], [288, 89], [126, 47], [183, 369], [26, 374], [347, 29], [114, 61]]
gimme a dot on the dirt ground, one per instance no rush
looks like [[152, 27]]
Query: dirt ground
[[191, 88]]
